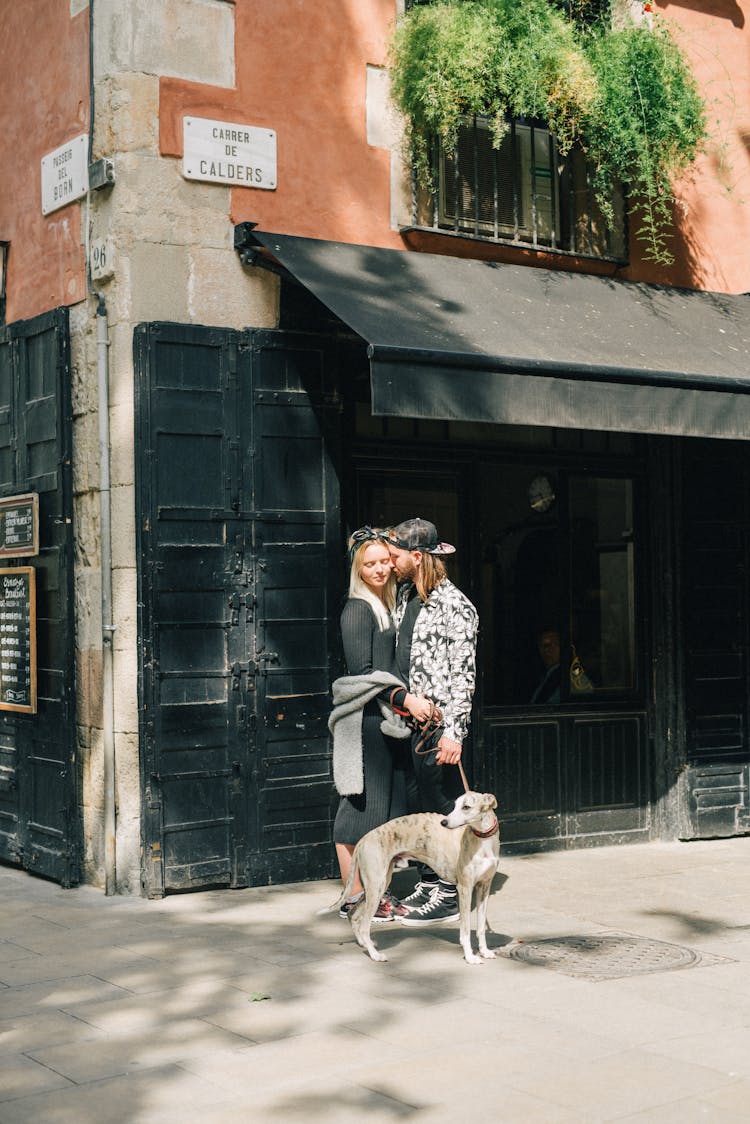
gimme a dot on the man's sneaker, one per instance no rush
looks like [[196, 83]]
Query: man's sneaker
[[421, 894], [390, 909], [349, 905], [441, 906]]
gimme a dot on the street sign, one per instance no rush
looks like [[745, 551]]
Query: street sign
[[225, 152], [65, 174]]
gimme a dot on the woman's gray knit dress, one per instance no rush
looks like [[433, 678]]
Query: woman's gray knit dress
[[385, 759]]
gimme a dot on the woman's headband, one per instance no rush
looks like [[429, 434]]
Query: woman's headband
[[366, 534]]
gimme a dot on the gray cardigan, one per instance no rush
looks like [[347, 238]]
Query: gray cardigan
[[351, 693]]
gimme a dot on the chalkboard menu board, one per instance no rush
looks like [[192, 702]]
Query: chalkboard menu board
[[19, 526], [18, 639]]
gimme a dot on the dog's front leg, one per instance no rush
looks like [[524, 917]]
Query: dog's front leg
[[464, 909], [483, 897]]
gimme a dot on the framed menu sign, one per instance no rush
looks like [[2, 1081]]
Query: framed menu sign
[[19, 526], [18, 639]]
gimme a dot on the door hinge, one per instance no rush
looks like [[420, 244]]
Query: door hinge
[[152, 795], [236, 601]]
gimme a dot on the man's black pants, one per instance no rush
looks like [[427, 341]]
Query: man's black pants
[[432, 787]]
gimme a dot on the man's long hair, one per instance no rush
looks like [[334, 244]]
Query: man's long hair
[[430, 573]]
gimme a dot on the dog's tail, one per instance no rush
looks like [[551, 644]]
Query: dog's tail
[[347, 889]]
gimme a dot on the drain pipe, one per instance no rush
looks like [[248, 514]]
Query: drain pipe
[[105, 519], [108, 628]]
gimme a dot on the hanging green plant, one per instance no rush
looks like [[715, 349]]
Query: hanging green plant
[[627, 96], [647, 125]]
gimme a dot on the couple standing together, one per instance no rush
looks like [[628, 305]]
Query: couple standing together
[[409, 638]]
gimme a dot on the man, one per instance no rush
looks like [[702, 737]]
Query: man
[[548, 646], [436, 655]]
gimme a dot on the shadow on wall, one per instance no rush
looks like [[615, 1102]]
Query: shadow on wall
[[721, 9]]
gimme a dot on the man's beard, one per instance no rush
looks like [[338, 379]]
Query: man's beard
[[409, 572]]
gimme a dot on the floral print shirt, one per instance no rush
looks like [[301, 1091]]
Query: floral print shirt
[[442, 665]]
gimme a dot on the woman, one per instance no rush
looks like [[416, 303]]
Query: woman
[[368, 635]]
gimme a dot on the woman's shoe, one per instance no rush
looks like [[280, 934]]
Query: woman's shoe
[[390, 909], [349, 904]]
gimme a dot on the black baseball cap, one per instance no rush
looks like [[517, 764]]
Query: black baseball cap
[[420, 534]]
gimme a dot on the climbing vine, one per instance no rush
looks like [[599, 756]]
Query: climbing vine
[[625, 94]]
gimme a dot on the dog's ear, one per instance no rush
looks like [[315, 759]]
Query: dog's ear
[[489, 801]]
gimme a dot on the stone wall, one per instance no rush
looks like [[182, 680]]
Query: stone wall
[[170, 256]]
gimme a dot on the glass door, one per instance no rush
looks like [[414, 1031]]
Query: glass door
[[563, 729], [388, 497], [557, 599]]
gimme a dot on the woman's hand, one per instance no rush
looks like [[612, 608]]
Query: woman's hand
[[419, 708]]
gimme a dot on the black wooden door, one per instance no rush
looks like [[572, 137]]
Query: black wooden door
[[236, 500], [716, 629], [39, 827], [191, 547], [287, 381]]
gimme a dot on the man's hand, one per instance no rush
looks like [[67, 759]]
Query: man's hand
[[448, 752]]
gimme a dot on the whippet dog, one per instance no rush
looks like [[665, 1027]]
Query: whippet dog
[[462, 847]]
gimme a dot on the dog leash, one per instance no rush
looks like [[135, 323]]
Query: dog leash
[[430, 731]]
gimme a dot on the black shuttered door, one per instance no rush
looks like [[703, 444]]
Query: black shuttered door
[[39, 824], [236, 501]]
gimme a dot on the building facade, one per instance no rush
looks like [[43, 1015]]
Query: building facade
[[241, 331]]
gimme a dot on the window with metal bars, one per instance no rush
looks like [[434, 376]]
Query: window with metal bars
[[521, 191]]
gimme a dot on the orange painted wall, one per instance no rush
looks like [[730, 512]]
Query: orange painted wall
[[301, 71], [715, 221], [44, 103]]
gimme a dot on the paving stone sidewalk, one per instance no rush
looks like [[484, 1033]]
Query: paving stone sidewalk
[[621, 992]]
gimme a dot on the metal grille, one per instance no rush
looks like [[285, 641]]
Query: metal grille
[[608, 956], [519, 189]]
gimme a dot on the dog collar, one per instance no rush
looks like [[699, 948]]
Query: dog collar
[[486, 834]]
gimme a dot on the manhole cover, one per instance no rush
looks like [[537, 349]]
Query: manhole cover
[[607, 956]]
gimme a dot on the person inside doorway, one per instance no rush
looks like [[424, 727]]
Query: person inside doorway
[[370, 766], [547, 689], [436, 656]]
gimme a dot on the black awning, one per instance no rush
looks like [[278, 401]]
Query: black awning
[[463, 340]]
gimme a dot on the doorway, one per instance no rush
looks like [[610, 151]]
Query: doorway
[[541, 544]]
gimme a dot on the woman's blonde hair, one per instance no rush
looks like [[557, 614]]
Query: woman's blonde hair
[[430, 573], [358, 588]]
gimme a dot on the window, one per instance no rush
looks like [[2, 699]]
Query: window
[[511, 191], [558, 589], [602, 578], [521, 191]]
